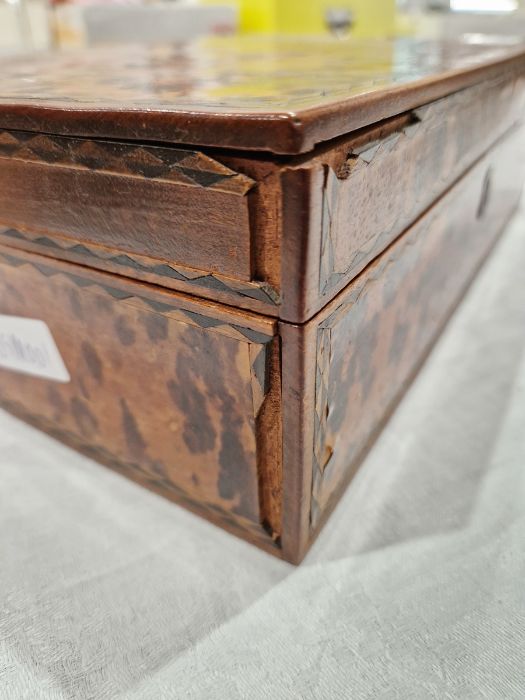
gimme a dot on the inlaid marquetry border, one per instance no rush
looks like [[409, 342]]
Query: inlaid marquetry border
[[500, 91], [359, 157], [258, 291], [172, 165], [258, 343], [169, 164], [322, 451], [321, 455]]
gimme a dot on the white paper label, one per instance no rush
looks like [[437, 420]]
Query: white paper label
[[27, 346]]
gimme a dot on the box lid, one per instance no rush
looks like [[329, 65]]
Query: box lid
[[105, 158], [282, 95]]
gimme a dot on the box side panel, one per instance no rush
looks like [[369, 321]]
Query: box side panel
[[366, 190], [371, 340], [168, 391]]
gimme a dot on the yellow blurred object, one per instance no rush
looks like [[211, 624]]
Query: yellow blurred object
[[371, 18], [67, 23], [258, 15]]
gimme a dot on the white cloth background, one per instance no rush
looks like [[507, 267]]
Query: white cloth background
[[415, 589]]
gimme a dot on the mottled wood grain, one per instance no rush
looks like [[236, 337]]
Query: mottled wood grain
[[370, 340], [163, 388], [239, 318], [225, 225], [256, 425], [365, 190]]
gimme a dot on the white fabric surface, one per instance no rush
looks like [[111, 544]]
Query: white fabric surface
[[415, 589]]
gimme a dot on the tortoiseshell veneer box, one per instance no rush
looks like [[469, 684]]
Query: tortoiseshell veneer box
[[234, 255]]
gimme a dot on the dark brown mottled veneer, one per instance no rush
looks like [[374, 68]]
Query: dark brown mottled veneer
[[243, 255]]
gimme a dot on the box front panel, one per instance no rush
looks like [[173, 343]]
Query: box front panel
[[169, 205], [370, 342], [176, 218], [170, 394]]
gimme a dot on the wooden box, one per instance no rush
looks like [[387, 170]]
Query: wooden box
[[240, 252]]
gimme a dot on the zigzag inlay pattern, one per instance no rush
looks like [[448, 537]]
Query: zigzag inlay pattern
[[258, 291], [233, 330], [151, 162]]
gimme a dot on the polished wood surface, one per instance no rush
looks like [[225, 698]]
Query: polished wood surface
[[356, 358], [276, 237], [239, 322], [273, 94], [165, 204], [255, 423], [346, 205], [167, 391]]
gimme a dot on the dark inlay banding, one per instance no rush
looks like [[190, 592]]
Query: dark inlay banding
[[262, 293]]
